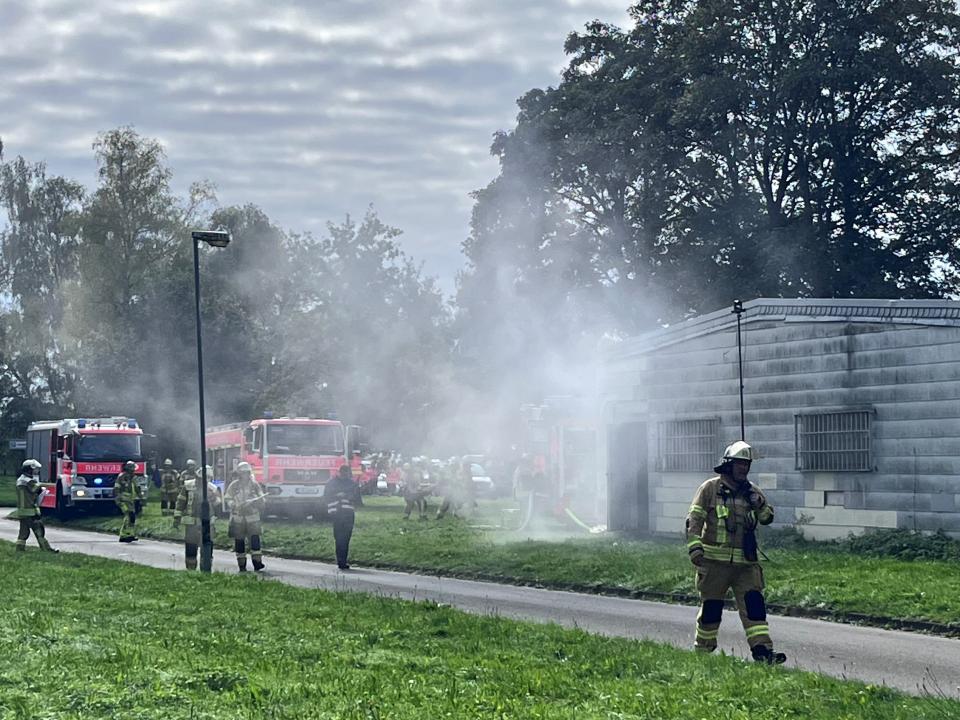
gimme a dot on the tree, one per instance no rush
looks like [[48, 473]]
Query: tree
[[38, 264], [723, 150]]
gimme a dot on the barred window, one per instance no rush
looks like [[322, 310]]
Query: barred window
[[834, 441], [689, 445]]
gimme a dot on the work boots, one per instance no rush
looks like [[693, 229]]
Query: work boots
[[763, 654], [242, 564], [257, 563]]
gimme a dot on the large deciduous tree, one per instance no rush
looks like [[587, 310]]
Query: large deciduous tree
[[719, 150]]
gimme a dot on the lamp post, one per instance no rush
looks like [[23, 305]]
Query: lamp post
[[738, 310], [218, 239]]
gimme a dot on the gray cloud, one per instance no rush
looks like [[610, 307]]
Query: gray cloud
[[310, 110]]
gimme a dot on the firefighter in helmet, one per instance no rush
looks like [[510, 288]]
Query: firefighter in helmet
[[187, 511], [722, 543], [169, 487], [28, 512], [341, 495], [246, 499], [127, 494]]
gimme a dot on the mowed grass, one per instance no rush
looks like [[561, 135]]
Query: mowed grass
[[90, 638], [811, 578]]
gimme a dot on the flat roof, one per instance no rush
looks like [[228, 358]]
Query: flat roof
[[893, 312]]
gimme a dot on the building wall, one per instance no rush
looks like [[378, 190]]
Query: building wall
[[907, 374]]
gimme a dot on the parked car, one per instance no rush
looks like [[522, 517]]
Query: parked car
[[483, 485]]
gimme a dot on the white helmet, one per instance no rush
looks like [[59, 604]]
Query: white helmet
[[168, 462], [735, 451], [244, 467], [30, 464], [191, 463]]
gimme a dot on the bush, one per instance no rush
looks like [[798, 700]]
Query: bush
[[903, 545]]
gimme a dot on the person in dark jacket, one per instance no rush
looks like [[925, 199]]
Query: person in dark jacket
[[341, 495]]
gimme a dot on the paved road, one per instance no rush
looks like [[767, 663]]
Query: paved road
[[911, 662]]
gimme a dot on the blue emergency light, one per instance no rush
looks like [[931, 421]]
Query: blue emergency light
[[98, 481], [268, 414], [81, 424], [132, 423]]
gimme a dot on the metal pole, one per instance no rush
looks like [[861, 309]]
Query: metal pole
[[738, 309], [206, 543]]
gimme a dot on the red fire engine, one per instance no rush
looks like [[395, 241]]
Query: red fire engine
[[81, 458], [293, 457]]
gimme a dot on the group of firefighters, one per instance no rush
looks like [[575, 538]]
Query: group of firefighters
[[721, 527]]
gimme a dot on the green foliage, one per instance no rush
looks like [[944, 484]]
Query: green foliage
[[102, 314], [718, 150], [90, 638]]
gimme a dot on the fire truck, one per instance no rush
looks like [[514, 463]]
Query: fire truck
[[293, 457], [81, 458]]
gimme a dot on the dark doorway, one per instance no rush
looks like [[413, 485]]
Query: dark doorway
[[627, 477]]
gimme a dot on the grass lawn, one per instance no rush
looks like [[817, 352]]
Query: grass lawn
[[90, 638], [814, 578], [8, 492]]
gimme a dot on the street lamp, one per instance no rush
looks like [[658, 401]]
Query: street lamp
[[218, 239]]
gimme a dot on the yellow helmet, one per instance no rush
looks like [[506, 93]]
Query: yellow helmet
[[736, 451]]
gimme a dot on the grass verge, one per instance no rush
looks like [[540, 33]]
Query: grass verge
[[810, 579], [91, 638]]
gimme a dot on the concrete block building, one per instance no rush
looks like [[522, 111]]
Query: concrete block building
[[853, 405]]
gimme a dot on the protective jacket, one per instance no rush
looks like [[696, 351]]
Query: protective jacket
[[28, 492], [340, 494], [170, 481], [126, 490], [246, 499], [189, 500], [723, 517]]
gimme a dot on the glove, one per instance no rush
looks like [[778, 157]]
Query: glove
[[755, 499], [696, 556], [176, 522], [137, 507]]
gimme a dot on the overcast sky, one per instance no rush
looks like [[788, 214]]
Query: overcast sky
[[310, 110]]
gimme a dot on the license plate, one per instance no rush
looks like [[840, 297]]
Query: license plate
[[307, 491]]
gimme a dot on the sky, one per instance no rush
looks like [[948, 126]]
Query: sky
[[310, 110]]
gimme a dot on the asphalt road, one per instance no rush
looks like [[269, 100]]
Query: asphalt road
[[914, 663]]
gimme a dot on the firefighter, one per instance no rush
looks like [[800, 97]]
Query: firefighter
[[128, 495], [416, 489], [459, 492], [187, 511], [245, 498], [169, 487], [28, 511], [722, 543], [189, 471], [340, 495]]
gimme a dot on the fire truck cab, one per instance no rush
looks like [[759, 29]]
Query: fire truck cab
[[81, 458], [292, 457]]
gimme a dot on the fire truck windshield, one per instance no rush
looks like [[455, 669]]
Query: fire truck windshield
[[304, 440], [108, 447]]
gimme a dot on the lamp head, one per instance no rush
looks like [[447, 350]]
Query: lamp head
[[216, 238]]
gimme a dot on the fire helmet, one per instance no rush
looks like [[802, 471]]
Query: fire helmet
[[735, 451], [244, 467], [191, 464], [168, 462], [129, 465], [30, 464]]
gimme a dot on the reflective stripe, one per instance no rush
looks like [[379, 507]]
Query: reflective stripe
[[695, 543], [707, 634], [722, 512], [723, 554], [697, 510], [758, 630]]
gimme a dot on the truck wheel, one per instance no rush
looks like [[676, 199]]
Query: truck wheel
[[63, 511]]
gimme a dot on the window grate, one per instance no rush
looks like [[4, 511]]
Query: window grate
[[688, 445], [834, 441]]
